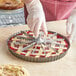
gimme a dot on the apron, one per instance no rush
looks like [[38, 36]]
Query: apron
[[58, 9], [12, 17]]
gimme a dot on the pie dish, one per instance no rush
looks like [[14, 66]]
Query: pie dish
[[13, 70], [24, 45], [11, 4]]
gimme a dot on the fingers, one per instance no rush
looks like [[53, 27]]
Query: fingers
[[68, 28], [31, 23], [44, 28], [73, 34], [37, 25], [37, 28], [34, 26], [40, 25]]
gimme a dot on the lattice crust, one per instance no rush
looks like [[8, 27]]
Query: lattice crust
[[13, 70], [11, 4], [58, 46]]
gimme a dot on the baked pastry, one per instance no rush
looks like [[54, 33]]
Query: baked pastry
[[11, 4], [13, 70], [25, 46]]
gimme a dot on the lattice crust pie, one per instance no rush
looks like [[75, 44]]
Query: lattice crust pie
[[50, 48], [13, 70], [11, 4]]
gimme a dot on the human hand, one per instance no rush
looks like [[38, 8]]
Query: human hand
[[36, 18], [71, 26]]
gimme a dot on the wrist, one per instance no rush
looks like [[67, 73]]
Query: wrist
[[34, 6]]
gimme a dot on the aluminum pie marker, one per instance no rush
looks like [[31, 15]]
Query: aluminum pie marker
[[42, 49]]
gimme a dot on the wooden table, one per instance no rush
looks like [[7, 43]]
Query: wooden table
[[66, 66]]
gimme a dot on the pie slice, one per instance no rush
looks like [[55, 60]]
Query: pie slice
[[13, 70], [25, 46], [11, 4]]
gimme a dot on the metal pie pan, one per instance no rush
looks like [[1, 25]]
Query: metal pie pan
[[33, 59]]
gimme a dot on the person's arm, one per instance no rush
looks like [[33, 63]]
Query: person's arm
[[71, 26], [36, 18]]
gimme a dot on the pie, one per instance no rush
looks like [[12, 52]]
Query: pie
[[11, 4], [13, 70], [25, 46]]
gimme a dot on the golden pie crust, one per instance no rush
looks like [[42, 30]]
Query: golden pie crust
[[11, 4], [13, 70]]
